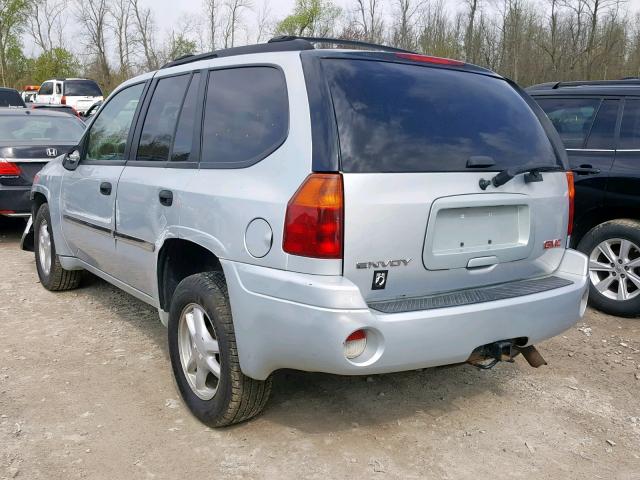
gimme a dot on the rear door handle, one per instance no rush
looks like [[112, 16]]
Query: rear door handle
[[586, 170], [166, 197], [105, 188]]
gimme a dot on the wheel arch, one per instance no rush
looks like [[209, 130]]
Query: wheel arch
[[600, 215], [177, 259]]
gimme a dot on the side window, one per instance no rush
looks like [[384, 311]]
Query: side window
[[160, 121], [107, 138], [572, 117], [603, 131], [58, 89], [246, 116], [186, 123], [46, 89], [630, 128]]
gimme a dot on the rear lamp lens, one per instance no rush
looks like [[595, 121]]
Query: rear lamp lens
[[355, 344]]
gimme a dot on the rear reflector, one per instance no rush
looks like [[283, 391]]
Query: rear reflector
[[9, 169], [314, 221], [63, 100], [355, 344], [414, 57], [572, 197]]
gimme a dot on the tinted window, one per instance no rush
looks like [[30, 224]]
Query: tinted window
[[160, 121], [82, 88], [186, 123], [46, 89], [35, 128], [58, 88], [572, 117], [630, 129], [10, 98], [404, 118], [603, 130], [110, 130], [246, 116]]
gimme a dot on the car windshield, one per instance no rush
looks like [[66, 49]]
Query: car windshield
[[81, 88], [40, 128], [406, 118], [9, 98]]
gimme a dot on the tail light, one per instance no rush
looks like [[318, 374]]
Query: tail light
[[315, 215], [63, 100], [414, 57], [9, 169], [355, 344], [572, 197]]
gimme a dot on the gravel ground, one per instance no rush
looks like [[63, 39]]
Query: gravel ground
[[86, 392]]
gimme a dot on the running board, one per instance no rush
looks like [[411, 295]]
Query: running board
[[471, 296]]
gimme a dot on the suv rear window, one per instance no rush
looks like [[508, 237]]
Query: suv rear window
[[81, 88], [396, 117]]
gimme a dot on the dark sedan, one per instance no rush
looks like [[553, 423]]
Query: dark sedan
[[28, 140]]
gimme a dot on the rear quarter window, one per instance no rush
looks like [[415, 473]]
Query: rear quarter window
[[396, 117], [246, 116], [82, 88]]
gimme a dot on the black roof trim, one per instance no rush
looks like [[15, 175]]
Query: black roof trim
[[339, 41], [289, 46], [625, 82], [285, 43]]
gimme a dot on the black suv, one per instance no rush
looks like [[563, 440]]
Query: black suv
[[599, 122]]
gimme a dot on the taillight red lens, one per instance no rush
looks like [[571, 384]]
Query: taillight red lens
[[414, 57], [314, 221], [63, 100], [572, 197], [9, 169]]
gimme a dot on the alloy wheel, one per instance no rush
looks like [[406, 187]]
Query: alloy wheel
[[614, 269], [199, 351], [44, 248]]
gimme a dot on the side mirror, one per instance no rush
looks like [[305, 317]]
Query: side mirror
[[71, 160]]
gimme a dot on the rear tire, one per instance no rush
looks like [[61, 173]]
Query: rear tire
[[613, 249], [201, 342], [52, 276]]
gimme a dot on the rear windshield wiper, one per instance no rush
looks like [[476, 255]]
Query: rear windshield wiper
[[532, 174]]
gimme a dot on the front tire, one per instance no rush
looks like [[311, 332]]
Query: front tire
[[52, 276], [613, 249], [204, 355]]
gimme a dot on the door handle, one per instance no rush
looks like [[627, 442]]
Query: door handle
[[166, 197], [105, 188], [586, 169]]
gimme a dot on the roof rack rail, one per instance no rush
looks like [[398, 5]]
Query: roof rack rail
[[339, 41], [290, 46], [578, 83]]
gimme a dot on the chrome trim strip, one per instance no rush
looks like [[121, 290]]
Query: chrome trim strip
[[628, 150], [117, 235], [135, 241], [83, 223], [589, 150], [29, 160]]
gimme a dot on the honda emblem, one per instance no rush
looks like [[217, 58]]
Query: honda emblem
[[52, 152]]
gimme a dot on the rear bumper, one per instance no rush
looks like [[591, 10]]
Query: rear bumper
[[298, 321], [15, 201]]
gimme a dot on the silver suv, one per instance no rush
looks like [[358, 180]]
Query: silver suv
[[343, 211]]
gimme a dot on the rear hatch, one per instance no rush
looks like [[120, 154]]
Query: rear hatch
[[415, 141], [81, 94]]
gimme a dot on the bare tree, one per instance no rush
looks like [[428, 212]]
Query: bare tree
[[369, 13], [92, 15], [233, 19], [404, 34], [122, 25], [263, 21], [46, 22], [470, 49], [212, 8], [145, 30]]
